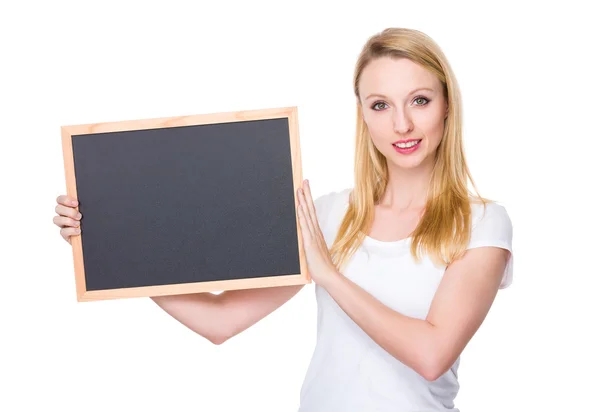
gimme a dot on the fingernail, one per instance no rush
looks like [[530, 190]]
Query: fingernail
[[78, 215], [74, 202]]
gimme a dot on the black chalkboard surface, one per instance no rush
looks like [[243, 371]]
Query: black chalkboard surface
[[186, 204]]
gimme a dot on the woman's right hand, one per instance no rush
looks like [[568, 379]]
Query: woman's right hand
[[68, 217]]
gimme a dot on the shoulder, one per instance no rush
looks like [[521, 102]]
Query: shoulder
[[490, 218]]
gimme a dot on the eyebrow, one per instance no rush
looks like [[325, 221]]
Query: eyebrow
[[415, 90]]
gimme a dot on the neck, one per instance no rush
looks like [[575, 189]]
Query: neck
[[407, 188]]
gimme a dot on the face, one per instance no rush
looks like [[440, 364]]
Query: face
[[403, 104]]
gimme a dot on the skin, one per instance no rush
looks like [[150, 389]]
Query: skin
[[217, 318], [393, 110], [466, 291], [469, 285]]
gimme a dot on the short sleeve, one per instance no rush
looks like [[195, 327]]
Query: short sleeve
[[493, 227], [323, 206], [328, 208]]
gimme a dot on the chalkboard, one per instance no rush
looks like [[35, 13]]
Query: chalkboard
[[186, 204]]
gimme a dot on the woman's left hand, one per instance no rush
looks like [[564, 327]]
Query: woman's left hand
[[320, 265]]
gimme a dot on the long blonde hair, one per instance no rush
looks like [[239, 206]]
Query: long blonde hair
[[445, 226]]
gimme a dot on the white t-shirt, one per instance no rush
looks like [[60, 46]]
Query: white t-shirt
[[349, 372]]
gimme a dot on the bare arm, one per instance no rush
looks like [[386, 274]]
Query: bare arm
[[220, 317], [216, 317]]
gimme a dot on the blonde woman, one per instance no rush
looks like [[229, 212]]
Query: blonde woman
[[406, 263]]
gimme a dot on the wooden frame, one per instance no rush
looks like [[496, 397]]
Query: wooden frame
[[67, 132]]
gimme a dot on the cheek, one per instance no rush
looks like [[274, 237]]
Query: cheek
[[379, 127], [430, 124]]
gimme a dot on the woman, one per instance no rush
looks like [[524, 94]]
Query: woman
[[406, 264]]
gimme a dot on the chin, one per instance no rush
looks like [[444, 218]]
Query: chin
[[405, 163], [409, 161]]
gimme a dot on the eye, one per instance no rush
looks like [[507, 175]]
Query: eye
[[422, 98], [376, 105], [424, 101]]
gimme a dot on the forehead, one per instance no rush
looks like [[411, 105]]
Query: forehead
[[398, 76]]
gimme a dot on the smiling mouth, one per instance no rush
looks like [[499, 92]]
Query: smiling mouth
[[407, 145]]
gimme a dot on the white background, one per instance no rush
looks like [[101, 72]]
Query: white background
[[529, 79]]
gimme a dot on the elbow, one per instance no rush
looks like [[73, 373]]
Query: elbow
[[218, 338], [221, 336], [431, 374], [433, 358], [434, 368]]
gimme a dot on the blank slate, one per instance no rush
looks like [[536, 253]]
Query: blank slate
[[186, 204]]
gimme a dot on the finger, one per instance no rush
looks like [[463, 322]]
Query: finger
[[304, 225], [305, 210], [67, 211], [64, 221], [69, 232], [311, 205], [306, 237], [67, 200]]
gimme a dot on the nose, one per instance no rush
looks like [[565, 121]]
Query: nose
[[402, 122]]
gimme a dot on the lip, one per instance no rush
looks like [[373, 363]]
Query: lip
[[407, 150], [406, 141]]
